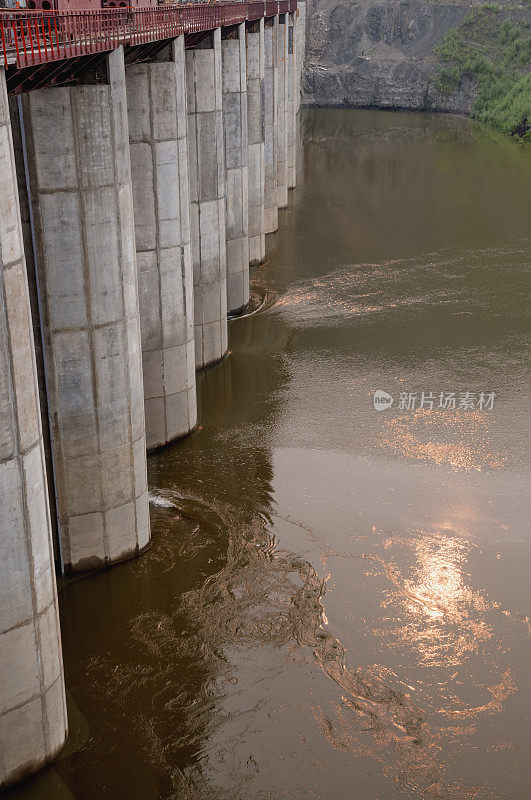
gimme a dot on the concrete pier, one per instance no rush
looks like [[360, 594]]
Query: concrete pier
[[32, 695], [292, 85], [256, 142], [282, 128], [270, 123], [156, 104], [234, 88], [14, 112], [207, 198], [77, 150], [300, 47]]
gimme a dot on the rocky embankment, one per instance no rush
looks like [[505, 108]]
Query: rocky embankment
[[380, 53]]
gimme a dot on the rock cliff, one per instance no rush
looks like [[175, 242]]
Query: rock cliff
[[379, 53]]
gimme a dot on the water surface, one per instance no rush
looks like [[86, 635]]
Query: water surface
[[335, 602]]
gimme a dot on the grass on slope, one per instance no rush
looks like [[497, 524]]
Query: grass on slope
[[497, 52]]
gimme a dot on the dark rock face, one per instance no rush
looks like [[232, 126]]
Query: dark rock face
[[379, 53]]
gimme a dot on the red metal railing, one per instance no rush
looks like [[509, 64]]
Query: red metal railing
[[28, 38]]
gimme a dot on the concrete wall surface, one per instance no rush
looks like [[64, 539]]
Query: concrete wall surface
[[300, 48], [16, 130], [234, 87], [207, 198], [282, 133], [292, 85], [81, 200], [32, 696], [158, 142], [256, 139], [270, 123]]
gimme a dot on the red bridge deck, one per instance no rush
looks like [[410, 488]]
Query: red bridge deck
[[30, 38]]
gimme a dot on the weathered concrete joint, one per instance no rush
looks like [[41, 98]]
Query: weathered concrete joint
[[270, 123], [282, 131], [234, 87], [156, 103], [32, 695], [81, 199], [207, 198], [256, 140]]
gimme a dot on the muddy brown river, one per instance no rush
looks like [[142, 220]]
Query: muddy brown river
[[335, 604]]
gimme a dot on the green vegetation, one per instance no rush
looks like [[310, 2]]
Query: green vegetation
[[497, 53]]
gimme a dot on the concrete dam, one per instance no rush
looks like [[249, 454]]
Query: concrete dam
[[144, 156]]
